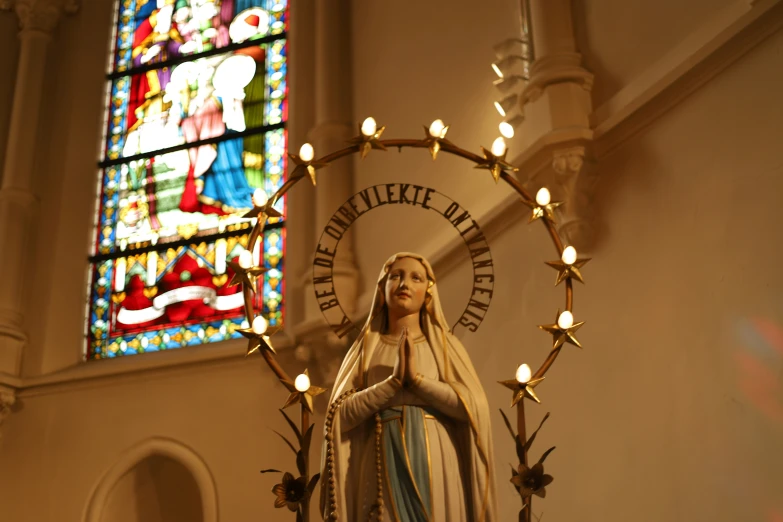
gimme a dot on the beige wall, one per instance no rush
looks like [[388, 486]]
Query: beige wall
[[669, 413], [622, 40], [412, 65]]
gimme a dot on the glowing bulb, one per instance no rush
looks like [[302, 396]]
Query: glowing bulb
[[302, 383], [566, 320], [506, 129], [498, 146], [306, 152], [569, 255], [369, 127], [497, 70], [543, 197], [245, 259], [500, 109], [437, 129], [524, 373], [260, 325], [259, 197]]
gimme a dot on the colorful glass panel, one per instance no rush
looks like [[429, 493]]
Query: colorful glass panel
[[195, 125]]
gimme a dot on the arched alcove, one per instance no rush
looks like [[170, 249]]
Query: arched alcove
[[155, 481]]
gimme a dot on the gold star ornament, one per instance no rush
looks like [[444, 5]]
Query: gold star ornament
[[369, 134], [245, 276], [543, 206], [495, 159], [257, 342], [563, 330], [304, 163], [540, 211], [522, 389], [302, 391], [568, 270], [263, 208], [435, 135]]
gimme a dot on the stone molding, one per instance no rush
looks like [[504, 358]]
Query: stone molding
[[557, 68], [173, 449]]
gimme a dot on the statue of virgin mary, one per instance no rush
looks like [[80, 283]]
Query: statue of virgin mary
[[408, 434]]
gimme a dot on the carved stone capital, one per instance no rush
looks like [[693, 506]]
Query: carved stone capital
[[7, 400], [40, 15], [568, 161], [575, 178]]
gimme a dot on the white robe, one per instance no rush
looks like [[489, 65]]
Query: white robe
[[447, 494], [463, 482]]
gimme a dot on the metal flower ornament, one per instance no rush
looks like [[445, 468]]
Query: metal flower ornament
[[295, 490], [290, 492]]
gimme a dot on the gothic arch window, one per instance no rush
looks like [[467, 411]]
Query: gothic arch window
[[195, 126]]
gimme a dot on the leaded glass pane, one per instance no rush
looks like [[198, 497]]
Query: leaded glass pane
[[195, 124]]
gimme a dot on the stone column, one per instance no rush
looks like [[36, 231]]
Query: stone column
[[334, 126], [318, 347], [557, 105], [18, 201]]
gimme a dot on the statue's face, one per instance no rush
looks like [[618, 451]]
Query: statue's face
[[406, 286]]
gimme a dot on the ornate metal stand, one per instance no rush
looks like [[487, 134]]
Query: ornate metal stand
[[529, 480]]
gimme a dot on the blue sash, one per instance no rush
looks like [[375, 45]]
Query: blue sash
[[406, 463]]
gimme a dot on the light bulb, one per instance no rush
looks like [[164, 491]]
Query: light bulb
[[569, 255], [437, 129], [566, 320], [306, 152], [259, 197], [507, 104], [497, 70], [245, 259], [506, 130], [260, 325], [369, 127], [498, 146], [523, 373], [543, 197], [302, 383]]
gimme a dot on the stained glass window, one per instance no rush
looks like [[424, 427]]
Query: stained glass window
[[195, 124]]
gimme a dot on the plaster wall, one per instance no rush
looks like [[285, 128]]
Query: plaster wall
[[621, 40]]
